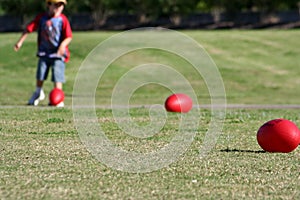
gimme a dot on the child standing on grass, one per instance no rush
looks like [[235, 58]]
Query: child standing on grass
[[54, 36]]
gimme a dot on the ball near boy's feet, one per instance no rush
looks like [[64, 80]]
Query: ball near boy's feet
[[56, 97]]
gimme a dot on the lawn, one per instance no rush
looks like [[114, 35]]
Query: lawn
[[43, 156]]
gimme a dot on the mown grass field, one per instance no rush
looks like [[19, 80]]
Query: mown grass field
[[42, 156]]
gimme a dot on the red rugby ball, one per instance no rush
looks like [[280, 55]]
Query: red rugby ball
[[278, 135], [179, 103], [56, 96]]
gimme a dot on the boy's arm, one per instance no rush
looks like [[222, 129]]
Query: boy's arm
[[66, 34], [19, 44], [32, 26], [63, 45]]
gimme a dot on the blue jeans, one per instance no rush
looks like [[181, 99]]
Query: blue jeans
[[57, 68]]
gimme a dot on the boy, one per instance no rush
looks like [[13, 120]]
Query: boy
[[54, 36]]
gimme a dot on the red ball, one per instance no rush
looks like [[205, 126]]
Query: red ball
[[56, 96], [179, 103], [278, 135]]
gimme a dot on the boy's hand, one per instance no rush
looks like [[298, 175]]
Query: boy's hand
[[17, 46], [62, 48], [61, 51]]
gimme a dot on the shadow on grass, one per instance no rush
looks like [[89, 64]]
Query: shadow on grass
[[242, 151]]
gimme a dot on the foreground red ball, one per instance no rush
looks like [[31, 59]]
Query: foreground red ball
[[179, 103], [278, 135], [56, 96]]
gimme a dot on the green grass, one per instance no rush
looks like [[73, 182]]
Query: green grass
[[257, 67], [42, 156]]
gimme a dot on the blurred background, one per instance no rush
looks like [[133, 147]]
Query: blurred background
[[176, 14]]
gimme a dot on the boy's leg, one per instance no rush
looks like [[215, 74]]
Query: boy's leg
[[39, 86], [39, 83], [58, 73], [38, 95], [42, 73], [58, 76], [58, 85]]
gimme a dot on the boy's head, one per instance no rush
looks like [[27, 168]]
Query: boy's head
[[55, 7], [49, 2]]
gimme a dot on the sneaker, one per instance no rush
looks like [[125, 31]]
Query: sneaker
[[36, 98], [60, 105]]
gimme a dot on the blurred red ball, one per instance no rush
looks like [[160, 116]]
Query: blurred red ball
[[179, 103], [278, 135], [56, 96]]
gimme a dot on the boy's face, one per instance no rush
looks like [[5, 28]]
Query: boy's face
[[55, 8]]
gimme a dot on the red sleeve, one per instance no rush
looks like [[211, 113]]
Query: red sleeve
[[66, 30], [34, 24]]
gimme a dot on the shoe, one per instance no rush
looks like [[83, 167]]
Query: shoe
[[36, 98], [60, 105]]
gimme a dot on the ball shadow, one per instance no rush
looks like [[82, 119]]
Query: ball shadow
[[242, 151]]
